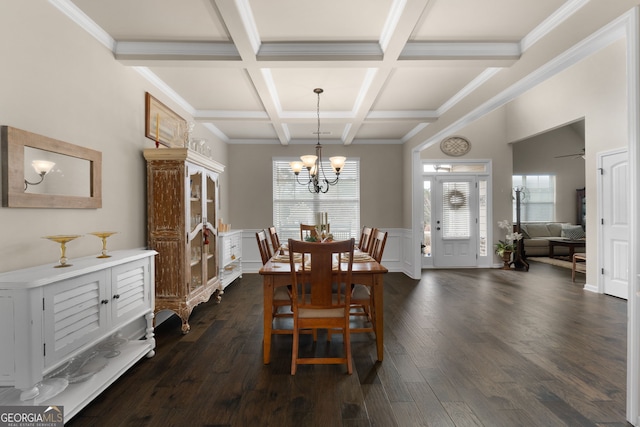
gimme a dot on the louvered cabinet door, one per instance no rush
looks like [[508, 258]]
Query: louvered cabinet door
[[130, 291], [75, 314]]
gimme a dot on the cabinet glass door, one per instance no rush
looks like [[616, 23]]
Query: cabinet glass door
[[211, 220], [196, 227]]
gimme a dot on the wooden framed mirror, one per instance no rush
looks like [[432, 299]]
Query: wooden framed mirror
[[42, 172]]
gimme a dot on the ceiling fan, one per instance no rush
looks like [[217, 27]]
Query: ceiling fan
[[579, 155]]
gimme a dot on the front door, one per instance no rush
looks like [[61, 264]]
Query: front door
[[615, 224], [454, 232]]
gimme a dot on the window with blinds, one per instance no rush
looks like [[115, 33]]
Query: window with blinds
[[293, 204], [538, 199], [456, 214]]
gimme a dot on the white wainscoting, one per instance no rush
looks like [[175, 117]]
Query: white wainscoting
[[398, 244]]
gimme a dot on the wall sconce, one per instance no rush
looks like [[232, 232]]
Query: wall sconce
[[42, 167]]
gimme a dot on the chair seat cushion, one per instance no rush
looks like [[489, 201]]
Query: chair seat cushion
[[314, 313], [281, 293], [360, 292]]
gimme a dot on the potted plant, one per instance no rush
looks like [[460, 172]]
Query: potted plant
[[504, 248]]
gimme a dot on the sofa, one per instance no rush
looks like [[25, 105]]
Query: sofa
[[535, 237]]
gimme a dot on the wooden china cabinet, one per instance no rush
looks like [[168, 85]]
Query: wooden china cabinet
[[182, 213]]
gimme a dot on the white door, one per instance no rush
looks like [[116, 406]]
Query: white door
[[615, 224], [454, 218]]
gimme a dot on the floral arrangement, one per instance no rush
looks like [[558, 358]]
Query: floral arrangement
[[509, 242]]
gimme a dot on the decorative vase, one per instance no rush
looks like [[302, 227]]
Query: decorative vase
[[506, 258]]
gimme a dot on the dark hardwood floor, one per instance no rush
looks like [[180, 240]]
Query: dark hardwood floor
[[462, 348]]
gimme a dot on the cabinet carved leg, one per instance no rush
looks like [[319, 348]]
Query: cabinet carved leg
[[184, 314]]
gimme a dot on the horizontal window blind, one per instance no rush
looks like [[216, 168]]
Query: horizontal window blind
[[538, 201], [456, 216], [293, 204]]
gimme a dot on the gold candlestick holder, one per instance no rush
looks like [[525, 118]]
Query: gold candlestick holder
[[63, 239], [103, 235]]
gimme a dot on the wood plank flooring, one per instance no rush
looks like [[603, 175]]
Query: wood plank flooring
[[462, 348]]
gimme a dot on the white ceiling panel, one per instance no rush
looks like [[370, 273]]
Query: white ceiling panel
[[163, 20], [248, 67], [385, 130], [212, 88], [326, 20], [243, 130], [488, 20], [428, 90], [295, 88]]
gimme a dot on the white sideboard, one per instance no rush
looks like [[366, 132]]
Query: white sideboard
[[230, 250], [51, 316]]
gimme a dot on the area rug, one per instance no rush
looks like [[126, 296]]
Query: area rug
[[552, 261]]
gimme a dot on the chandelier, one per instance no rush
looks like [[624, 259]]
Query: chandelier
[[317, 181]]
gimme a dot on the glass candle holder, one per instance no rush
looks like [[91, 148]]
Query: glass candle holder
[[62, 239], [103, 235]]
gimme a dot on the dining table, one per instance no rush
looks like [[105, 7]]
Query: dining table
[[277, 272]]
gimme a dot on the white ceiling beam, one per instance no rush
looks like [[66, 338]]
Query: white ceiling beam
[[404, 17], [460, 50], [320, 51], [176, 50], [237, 15]]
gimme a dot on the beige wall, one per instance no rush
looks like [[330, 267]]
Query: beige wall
[[536, 156], [60, 82], [569, 33], [488, 141], [251, 188], [594, 89]]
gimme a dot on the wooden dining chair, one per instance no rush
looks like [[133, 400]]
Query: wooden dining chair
[[377, 244], [362, 303], [321, 297], [263, 246], [275, 240], [281, 295], [307, 230], [365, 238]]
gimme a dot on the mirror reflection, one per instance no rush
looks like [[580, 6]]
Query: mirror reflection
[[46, 172], [42, 172]]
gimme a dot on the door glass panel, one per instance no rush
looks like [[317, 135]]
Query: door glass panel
[[455, 209], [426, 242], [483, 221]]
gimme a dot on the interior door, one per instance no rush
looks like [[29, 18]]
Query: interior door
[[615, 224], [454, 233]]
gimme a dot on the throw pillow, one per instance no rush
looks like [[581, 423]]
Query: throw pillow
[[538, 230], [573, 232]]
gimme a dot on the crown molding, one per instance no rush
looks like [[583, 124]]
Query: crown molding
[[86, 23], [555, 19], [596, 41]]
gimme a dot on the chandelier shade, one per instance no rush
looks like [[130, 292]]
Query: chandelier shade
[[317, 181]]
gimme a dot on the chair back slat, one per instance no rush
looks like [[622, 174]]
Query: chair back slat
[[365, 239], [275, 240], [378, 242], [263, 245]]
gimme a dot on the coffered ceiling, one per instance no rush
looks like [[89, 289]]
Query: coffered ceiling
[[246, 69]]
